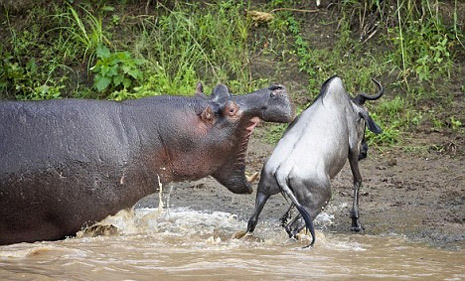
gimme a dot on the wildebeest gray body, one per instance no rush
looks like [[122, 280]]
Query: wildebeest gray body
[[313, 149], [66, 163]]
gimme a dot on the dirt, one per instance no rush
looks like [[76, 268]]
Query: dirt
[[419, 194], [415, 189]]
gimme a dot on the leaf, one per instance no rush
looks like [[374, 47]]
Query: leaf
[[113, 70], [126, 82], [104, 69], [107, 8], [135, 73], [31, 65], [139, 61], [101, 83], [124, 56], [126, 68], [117, 80], [103, 52]]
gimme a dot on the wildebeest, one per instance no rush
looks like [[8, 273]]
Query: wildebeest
[[313, 150]]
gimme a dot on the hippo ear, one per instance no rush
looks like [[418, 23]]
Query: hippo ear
[[207, 115], [220, 93], [372, 126], [199, 91]]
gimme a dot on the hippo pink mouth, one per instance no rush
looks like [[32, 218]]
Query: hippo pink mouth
[[252, 123], [242, 151]]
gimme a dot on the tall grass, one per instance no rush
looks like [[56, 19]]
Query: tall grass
[[187, 44], [423, 42], [86, 32], [419, 47]]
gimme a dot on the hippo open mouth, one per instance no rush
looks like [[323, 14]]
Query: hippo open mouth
[[271, 104], [242, 152], [252, 123]]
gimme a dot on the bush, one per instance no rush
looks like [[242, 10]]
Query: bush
[[117, 70]]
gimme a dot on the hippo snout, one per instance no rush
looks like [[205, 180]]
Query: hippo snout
[[240, 188], [276, 87], [279, 106]]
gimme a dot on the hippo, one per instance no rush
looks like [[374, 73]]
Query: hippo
[[69, 163]]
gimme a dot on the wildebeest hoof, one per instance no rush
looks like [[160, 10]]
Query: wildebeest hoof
[[291, 232], [358, 228], [239, 234]]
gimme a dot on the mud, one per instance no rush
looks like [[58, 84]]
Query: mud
[[415, 190]]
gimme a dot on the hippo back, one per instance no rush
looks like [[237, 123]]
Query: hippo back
[[65, 166]]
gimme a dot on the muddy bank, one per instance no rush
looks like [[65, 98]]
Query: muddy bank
[[418, 194]]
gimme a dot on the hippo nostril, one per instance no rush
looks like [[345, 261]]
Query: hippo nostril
[[275, 87]]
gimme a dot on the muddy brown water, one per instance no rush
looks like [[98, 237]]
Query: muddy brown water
[[185, 244]]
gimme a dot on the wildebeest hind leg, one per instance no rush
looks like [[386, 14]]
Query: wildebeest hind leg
[[295, 226], [354, 214]]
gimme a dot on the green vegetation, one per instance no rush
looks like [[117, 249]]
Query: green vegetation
[[86, 34], [114, 70], [129, 50], [419, 54]]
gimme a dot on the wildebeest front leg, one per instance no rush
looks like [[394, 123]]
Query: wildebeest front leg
[[354, 214], [260, 201]]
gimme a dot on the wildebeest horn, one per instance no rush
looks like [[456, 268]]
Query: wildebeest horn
[[361, 98]]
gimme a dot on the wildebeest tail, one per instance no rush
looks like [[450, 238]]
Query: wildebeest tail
[[285, 189]]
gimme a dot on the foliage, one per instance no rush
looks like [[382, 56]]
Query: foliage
[[73, 50], [21, 81], [422, 49], [422, 44], [87, 32], [26, 79], [183, 44], [115, 70]]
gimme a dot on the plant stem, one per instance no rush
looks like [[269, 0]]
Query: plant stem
[[402, 49]]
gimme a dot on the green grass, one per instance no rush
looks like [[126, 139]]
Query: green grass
[[84, 32], [420, 50], [184, 46], [53, 53], [181, 45]]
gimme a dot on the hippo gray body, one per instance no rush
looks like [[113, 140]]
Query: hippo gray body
[[68, 163]]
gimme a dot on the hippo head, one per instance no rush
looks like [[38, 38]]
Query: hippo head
[[237, 116], [270, 104]]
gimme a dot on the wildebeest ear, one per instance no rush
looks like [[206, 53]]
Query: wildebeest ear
[[372, 126], [220, 93]]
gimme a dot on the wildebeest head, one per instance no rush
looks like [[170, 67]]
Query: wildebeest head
[[364, 119]]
